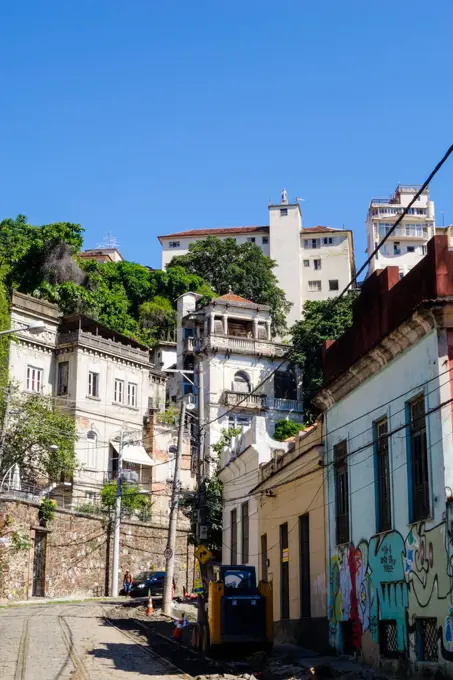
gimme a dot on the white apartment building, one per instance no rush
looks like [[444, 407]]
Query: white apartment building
[[230, 339], [313, 263], [102, 378], [407, 244]]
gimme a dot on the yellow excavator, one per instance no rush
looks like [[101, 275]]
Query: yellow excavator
[[239, 612]]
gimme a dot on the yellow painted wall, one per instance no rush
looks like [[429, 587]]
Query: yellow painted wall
[[289, 502]]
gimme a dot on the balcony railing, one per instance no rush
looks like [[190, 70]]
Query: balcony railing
[[285, 404], [242, 345], [244, 400], [189, 344]]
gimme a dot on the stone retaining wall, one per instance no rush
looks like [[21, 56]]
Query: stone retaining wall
[[78, 552]]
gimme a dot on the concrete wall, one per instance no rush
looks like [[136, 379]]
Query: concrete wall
[[405, 574], [336, 264], [169, 253], [79, 552]]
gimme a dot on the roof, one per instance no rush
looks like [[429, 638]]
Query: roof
[[316, 230], [232, 297], [85, 323], [215, 232]]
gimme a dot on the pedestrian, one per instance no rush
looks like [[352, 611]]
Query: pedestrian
[[127, 582]]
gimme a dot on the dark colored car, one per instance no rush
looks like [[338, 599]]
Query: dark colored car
[[148, 582]]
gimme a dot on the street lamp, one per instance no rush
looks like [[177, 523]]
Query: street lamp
[[35, 327]]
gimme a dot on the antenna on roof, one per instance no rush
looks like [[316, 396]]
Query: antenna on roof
[[109, 241]]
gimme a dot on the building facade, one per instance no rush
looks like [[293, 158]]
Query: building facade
[[407, 244], [387, 403], [290, 497], [313, 263], [106, 382], [229, 340]]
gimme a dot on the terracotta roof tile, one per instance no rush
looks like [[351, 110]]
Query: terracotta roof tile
[[214, 232], [312, 230], [232, 297]]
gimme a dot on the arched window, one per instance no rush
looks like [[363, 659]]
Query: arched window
[[241, 382], [92, 442]]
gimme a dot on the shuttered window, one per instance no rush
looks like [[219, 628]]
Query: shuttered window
[[234, 536], [419, 459], [384, 507], [342, 492], [245, 532]]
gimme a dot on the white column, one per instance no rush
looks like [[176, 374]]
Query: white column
[[225, 324]]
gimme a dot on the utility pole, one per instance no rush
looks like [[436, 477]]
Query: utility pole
[[116, 533], [171, 542], [200, 461], [9, 394]]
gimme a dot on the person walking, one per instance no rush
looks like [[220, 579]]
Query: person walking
[[127, 582]]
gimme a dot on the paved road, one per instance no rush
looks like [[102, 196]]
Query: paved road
[[70, 642]]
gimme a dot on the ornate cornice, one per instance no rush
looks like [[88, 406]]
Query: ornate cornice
[[421, 323]]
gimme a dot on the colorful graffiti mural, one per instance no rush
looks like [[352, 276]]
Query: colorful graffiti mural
[[395, 579]]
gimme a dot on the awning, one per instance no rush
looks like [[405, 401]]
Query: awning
[[134, 453]]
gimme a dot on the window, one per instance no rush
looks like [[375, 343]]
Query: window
[[93, 384], [418, 460], [34, 379], [411, 249], [401, 274], [283, 212], [426, 639], [317, 264], [251, 239], [119, 391], [239, 422], [265, 240], [333, 284], [312, 243], [397, 248], [132, 394], [382, 467], [424, 250], [63, 377], [174, 244], [306, 263], [314, 285], [264, 557], [234, 536], [285, 385], [90, 496], [241, 382], [245, 532], [172, 451], [341, 492], [328, 241], [92, 441]]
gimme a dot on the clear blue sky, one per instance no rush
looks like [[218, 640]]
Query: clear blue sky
[[143, 117]]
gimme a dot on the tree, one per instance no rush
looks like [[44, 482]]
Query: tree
[[39, 439], [132, 500], [286, 428], [242, 268], [214, 513], [322, 320]]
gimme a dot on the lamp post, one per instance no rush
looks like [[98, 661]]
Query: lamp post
[[35, 327]]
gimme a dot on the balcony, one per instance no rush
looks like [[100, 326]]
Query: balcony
[[240, 345], [285, 404], [245, 400]]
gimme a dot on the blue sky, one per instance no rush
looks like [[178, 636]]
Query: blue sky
[[143, 117]]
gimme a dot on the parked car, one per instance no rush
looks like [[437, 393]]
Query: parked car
[[151, 582]]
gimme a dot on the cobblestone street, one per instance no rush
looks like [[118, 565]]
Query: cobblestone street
[[71, 642]]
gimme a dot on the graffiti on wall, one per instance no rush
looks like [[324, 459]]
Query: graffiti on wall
[[392, 578]]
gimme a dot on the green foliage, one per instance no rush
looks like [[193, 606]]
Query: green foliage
[[89, 508], [159, 317], [286, 428], [226, 437], [5, 323], [20, 542], [132, 500], [214, 512], [47, 509], [34, 429], [226, 265], [322, 320], [168, 417]]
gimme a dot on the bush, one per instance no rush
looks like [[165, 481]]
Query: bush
[[287, 428]]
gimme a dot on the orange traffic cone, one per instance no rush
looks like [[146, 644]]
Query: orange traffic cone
[[178, 630], [149, 608]]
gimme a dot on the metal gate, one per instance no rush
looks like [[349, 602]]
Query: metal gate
[[39, 564]]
